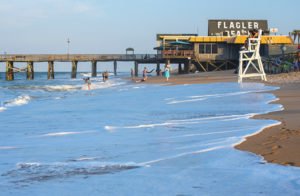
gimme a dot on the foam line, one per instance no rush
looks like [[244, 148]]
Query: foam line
[[58, 134], [210, 133], [220, 95], [181, 155], [214, 118], [178, 122], [85, 159], [111, 128], [204, 97], [7, 147], [217, 141], [186, 101]]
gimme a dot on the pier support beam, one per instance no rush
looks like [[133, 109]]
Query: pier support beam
[[9, 70], [158, 69], [74, 69], [179, 68], [50, 70], [115, 67], [30, 71], [136, 69], [94, 68], [187, 66]]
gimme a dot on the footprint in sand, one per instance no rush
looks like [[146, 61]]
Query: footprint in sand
[[276, 147]]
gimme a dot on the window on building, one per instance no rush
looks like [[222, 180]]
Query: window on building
[[202, 48], [214, 48], [208, 48]]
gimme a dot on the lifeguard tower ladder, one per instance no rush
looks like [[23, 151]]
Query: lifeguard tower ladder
[[251, 57]]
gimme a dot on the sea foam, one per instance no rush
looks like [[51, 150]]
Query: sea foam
[[60, 134], [20, 100]]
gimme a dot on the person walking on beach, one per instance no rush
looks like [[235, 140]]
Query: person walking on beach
[[167, 72]]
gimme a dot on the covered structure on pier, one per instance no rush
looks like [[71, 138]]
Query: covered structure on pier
[[219, 50]]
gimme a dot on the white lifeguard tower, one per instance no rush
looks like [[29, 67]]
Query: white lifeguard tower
[[251, 57]]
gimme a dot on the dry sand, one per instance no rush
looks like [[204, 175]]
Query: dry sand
[[278, 144]]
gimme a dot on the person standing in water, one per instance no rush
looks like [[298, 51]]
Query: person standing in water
[[105, 76], [132, 73], [88, 82]]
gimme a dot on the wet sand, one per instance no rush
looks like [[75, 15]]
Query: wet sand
[[197, 78], [278, 144]]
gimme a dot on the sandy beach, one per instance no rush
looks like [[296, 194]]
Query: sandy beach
[[278, 144]]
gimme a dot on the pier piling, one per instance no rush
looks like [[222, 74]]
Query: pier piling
[[179, 68], [9, 70], [74, 69], [157, 69], [115, 67], [94, 68], [136, 69], [50, 70], [187, 66], [30, 71]]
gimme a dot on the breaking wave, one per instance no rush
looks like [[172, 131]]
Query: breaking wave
[[60, 87], [2, 109], [20, 100]]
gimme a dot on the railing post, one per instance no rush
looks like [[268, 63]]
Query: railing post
[[94, 68], [9, 70], [74, 69], [30, 70], [50, 70]]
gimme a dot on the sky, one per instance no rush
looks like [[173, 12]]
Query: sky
[[111, 26]]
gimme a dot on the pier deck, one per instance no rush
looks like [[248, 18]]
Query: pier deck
[[30, 59]]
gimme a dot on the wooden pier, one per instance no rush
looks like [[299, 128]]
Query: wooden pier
[[30, 59]]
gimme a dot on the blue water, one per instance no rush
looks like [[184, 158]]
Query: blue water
[[124, 138]]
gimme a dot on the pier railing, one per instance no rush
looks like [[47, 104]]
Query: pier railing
[[77, 57], [30, 59], [177, 53]]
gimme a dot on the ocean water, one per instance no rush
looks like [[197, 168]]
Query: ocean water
[[123, 138]]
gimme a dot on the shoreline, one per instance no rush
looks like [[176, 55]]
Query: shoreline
[[280, 143], [277, 143]]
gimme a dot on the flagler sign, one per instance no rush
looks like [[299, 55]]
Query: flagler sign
[[234, 27]]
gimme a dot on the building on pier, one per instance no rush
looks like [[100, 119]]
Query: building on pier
[[220, 48]]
